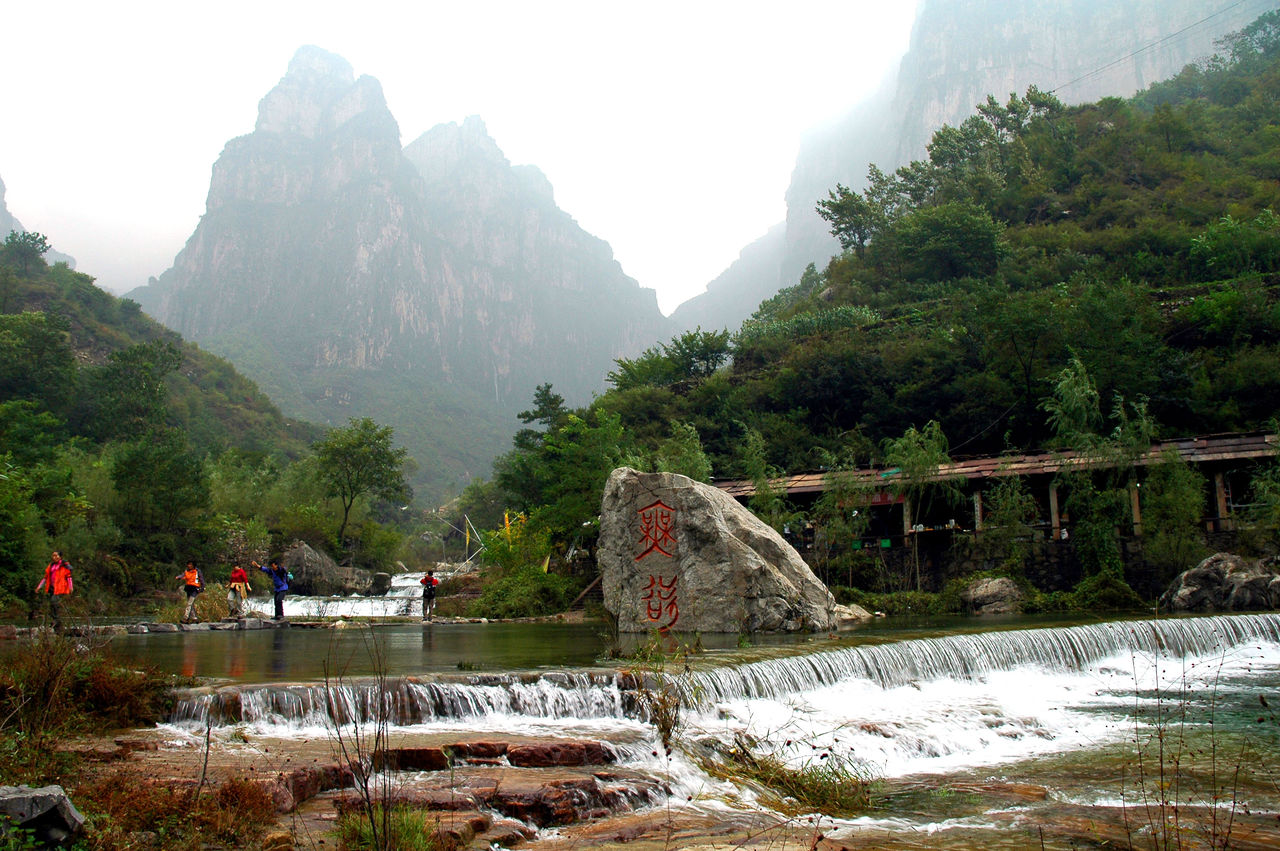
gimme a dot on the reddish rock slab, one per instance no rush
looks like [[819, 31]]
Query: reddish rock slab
[[442, 800], [544, 755], [413, 759], [477, 750]]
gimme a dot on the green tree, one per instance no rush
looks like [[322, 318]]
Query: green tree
[[24, 249], [682, 453], [688, 359], [160, 489], [1008, 515], [548, 409], [130, 393], [916, 461], [36, 362], [1172, 505], [22, 541], [574, 463], [1102, 473], [359, 460], [948, 241]]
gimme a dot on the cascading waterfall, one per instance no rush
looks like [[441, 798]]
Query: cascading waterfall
[[604, 695], [405, 701], [965, 657], [403, 599]]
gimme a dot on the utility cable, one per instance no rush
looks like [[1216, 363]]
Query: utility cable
[[1151, 46]]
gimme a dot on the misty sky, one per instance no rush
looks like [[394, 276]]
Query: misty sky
[[667, 129]]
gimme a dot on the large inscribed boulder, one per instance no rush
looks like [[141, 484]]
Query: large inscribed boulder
[[680, 555]]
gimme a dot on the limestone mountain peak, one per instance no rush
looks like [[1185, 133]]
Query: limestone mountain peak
[[431, 287], [318, 94]]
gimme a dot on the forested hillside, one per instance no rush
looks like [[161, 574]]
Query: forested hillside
[[130, 450], [1130, 244]]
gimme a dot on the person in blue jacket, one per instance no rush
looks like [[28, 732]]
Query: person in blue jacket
[[280, 581]]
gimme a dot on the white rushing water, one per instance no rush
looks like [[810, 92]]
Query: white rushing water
[[889, 710], [403, 600]]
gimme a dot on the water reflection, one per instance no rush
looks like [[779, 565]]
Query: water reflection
[[278, 666]]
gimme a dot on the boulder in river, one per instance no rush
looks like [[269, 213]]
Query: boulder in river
[[1225, 582], [993, 595], [315, 574], [680, 555]]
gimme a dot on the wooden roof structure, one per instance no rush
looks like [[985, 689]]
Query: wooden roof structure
[[1206, 449]]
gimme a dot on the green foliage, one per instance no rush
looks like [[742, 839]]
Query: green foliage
[[517, 545], [948, 241], [1264, 510], [22, 537], [900, 603], [688, 358], [1009, 513], [683, 454], [1229, 248], [24, 249], [560, 481], [525, 592], [1106, 592], [408, 829], [768, 501], [755, 331], [358, 460], [36, 363], [1172, 506], [162, 490]]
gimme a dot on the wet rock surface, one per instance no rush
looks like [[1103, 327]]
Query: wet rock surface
[[1225, 582], [677, 554]]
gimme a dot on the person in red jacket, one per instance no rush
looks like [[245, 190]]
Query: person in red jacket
[[56, 583], [429, 583], [237, 590]]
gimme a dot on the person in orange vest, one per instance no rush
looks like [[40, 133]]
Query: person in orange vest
[[56, 583], [193, 584], [429, 583]]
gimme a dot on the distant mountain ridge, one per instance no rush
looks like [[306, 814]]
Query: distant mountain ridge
[[9, 223], [961, 51], [431, 287]]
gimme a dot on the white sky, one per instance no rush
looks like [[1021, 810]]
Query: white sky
[[668, 129]]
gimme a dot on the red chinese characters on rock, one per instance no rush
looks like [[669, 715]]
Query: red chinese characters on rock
[[658, 537], [657, 529], [661, 603]]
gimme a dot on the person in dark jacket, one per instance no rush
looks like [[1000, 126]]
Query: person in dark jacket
[[279, 581]]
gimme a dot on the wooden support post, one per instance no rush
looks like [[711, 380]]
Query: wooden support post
[[1136, 505], [906, 516], [977, 511], [1055, 522], [1224, 523]]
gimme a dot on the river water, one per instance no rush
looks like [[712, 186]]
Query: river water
[[949, 705]]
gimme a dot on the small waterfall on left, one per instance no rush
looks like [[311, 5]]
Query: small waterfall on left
[[404, 599]]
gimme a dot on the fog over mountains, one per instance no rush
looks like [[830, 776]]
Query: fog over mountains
[[431, 287], [961, 51], [434, 286]]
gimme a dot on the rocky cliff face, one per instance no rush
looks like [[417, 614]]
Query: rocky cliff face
[[432, 288], [963, 50], [7, 222]]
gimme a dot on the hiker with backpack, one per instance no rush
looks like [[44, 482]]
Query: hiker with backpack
[[429, 583]]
